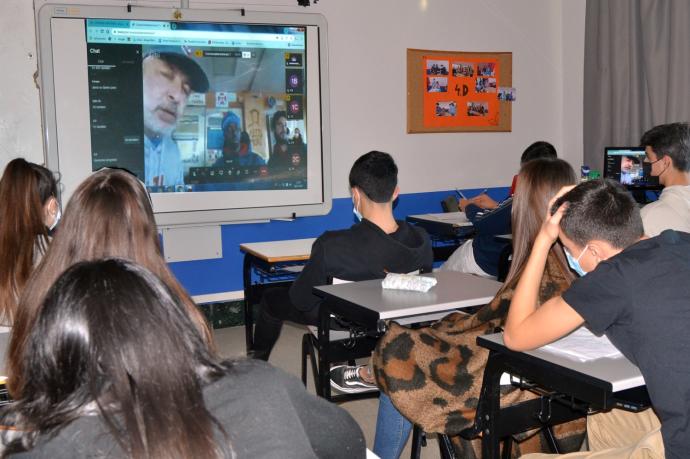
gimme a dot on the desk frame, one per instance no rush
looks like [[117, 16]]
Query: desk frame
[[254, 291], [370, 320], [569, 395]]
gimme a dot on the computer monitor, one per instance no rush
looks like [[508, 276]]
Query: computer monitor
[[624, 164]]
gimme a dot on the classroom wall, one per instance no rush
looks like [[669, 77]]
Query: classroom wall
[[367, 45]]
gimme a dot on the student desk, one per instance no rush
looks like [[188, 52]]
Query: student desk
[[368, 305], [444, 225], [447, 231], [275, 261], [570, 389]]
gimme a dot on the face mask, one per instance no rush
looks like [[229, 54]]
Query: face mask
[[647, 168], [574, 263], [58, 215], [357, 213]]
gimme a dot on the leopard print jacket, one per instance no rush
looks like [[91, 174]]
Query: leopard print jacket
[[434, 374]]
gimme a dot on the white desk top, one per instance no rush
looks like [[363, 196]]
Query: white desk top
[[276, 251], [620, 372], [451, 218], [454, 290]]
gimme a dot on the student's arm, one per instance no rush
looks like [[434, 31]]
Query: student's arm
[[313, 274], [490, 222], [485, 201], [332, 432], [471, 210], [528, 327]]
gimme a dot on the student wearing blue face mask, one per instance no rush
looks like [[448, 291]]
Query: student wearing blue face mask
[[636, 292], [377, 244]]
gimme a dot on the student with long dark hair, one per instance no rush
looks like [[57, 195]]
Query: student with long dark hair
[[109, 215], [115, 366], [28, 211]]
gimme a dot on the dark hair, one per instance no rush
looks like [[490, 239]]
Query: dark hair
[[538, 182], [25, 188], [109, 215], [600, 209], [539, 149], [672, 140], [111, 332], [633, 158], [376, 174], [276, 116]]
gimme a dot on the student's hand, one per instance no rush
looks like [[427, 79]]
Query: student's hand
[[484, 201], [551, 226], [463, 203]]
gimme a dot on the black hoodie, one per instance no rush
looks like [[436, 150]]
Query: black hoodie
[[362, 252]]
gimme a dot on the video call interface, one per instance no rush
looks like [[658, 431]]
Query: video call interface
[[193, 107], [625, 166]]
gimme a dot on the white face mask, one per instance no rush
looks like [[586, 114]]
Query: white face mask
[[358, 214], [58, 216]]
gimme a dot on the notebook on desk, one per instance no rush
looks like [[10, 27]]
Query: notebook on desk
[[455, 218], [583, 345]]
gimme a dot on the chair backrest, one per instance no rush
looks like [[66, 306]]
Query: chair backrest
[[504, 261]]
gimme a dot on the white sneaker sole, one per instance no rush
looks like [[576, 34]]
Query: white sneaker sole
[[352, 390]]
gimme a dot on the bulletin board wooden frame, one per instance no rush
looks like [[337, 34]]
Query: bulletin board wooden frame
[[499, 121]]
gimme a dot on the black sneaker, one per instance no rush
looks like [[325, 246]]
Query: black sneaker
[[346, 379]]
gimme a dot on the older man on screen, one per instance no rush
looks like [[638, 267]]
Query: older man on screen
[[168, 80]]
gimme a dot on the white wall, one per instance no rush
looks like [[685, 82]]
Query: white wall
[[573, 58], [368, 41], [20, 118]]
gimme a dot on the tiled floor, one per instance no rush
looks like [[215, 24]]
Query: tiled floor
[[286, 356]]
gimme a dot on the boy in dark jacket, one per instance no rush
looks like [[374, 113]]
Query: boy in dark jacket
[[376, 245]]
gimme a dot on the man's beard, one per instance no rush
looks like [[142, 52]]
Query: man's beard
[[155, 126]]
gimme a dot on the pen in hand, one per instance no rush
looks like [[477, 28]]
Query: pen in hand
[[460, 194]]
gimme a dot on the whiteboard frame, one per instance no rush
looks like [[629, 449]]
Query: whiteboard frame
[[190, 217]]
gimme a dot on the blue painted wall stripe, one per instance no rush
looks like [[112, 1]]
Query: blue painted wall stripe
[[203, 277]]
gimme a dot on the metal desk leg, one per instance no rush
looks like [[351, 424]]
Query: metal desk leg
[[324, 385], [490, 406], [248, 301]]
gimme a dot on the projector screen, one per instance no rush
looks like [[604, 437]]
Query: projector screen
[[224, 117]]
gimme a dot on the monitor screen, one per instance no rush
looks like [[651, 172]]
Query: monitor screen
[[183, 126], [213, 111], [624, 164]]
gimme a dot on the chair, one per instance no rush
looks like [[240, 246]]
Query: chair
[[347, 343], [342, 340], [504, 261], [446, 447]]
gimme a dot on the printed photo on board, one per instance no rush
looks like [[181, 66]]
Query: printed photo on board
[[446, 108], [437, 84], [507, 94], [434, 67], [485, 85], [486, 69], [463, 69], [477, 108]]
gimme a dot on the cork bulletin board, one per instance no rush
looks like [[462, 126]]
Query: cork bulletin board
[[456, 91]]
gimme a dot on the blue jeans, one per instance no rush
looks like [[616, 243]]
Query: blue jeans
[[392, 430]]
